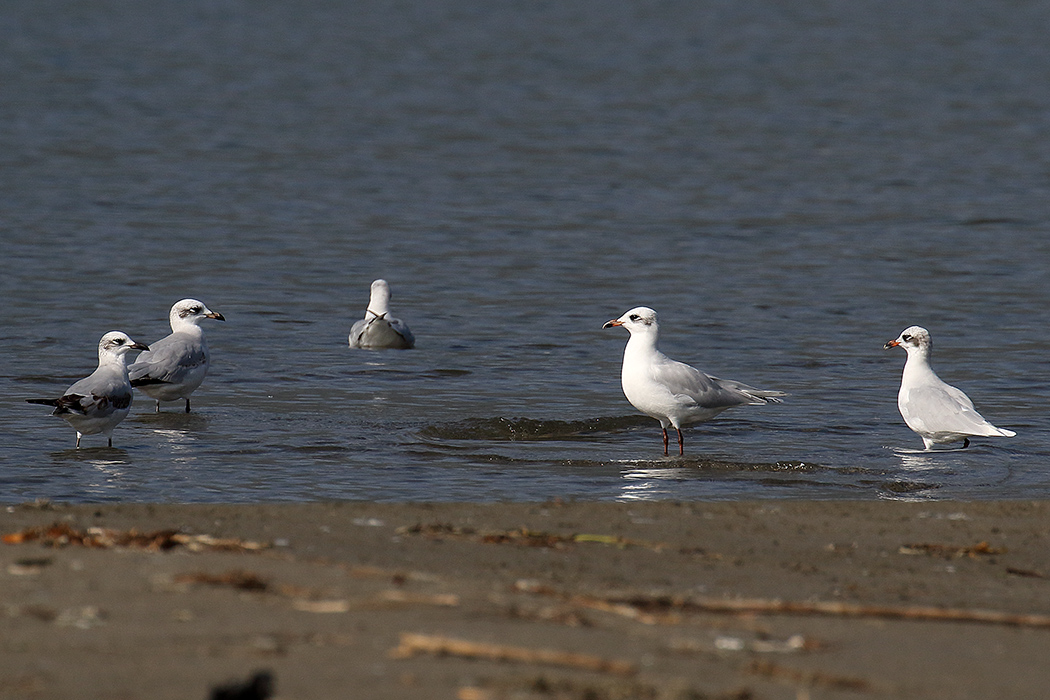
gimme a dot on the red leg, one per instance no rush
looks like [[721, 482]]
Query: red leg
[[665, 442], [681, 444]]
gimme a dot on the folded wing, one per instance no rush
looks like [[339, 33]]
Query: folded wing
[[169, 361]]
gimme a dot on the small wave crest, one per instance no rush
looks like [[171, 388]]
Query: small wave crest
[[678, 466], [500, 428]]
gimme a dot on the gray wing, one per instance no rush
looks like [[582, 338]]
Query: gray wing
[[706, 391], [381, 333], [941, 409], [168, 361], [96, 396], [401, 328], [356, 331]]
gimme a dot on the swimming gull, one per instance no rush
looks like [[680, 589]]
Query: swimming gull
[[377, 330], [97, 403], [672, 392], [938, 412], [176, 364]]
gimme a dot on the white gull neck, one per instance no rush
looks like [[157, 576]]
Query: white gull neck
[[917, 368], [641, 344], [185, 325]]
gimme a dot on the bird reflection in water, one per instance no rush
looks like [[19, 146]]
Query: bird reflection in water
[[178, 442], [651, 483]]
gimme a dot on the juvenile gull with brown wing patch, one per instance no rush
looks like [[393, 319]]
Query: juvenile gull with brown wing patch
[[98, 402]]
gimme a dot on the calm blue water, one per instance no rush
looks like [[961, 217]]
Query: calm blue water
[[788, 186]]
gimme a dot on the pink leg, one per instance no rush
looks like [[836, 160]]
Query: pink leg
[[665, 442], [681, 444]]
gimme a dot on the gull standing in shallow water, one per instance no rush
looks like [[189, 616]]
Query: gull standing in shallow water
[[177, 364], [97, 403], [672, 392], [938, 412], [376, 331]]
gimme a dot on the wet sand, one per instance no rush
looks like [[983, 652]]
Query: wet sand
[[528, 601]]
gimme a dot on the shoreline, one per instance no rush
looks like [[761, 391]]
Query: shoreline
[[484, 601]]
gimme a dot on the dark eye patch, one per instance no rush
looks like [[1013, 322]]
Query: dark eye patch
[[636, 317]]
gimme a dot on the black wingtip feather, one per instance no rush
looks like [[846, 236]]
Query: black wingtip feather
[[147, 381]]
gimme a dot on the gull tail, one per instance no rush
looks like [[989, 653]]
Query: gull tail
[[760, 396], [986, 429], [767, 396], [57, 404], [70, 403]]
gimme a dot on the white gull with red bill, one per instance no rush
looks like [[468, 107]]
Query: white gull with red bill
[[673, 392]]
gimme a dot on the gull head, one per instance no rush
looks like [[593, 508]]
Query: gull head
[[192, 312], [913, 339], [640, 319], [117, 343]]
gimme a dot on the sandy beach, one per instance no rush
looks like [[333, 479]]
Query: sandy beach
[[546, 600]]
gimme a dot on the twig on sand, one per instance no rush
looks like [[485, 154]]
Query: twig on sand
[[413, 644], [662, 608], [841, 609], [949, 551], [523, 537]]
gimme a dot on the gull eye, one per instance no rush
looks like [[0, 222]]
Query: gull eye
[[636, 317], [906, 338]]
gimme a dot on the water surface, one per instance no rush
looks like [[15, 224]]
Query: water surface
[[788, 186]]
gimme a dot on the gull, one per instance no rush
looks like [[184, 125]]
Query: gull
[[375, 331], [177, 364], [938, 412], [97, 403], [672, 392]]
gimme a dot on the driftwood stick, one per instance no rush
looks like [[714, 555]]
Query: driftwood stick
[[663, 609], [413, 644], [841, 609]]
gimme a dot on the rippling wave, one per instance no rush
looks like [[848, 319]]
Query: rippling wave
[[500, 428]]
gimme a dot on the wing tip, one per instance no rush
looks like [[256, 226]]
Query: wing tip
[[147, 381]]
